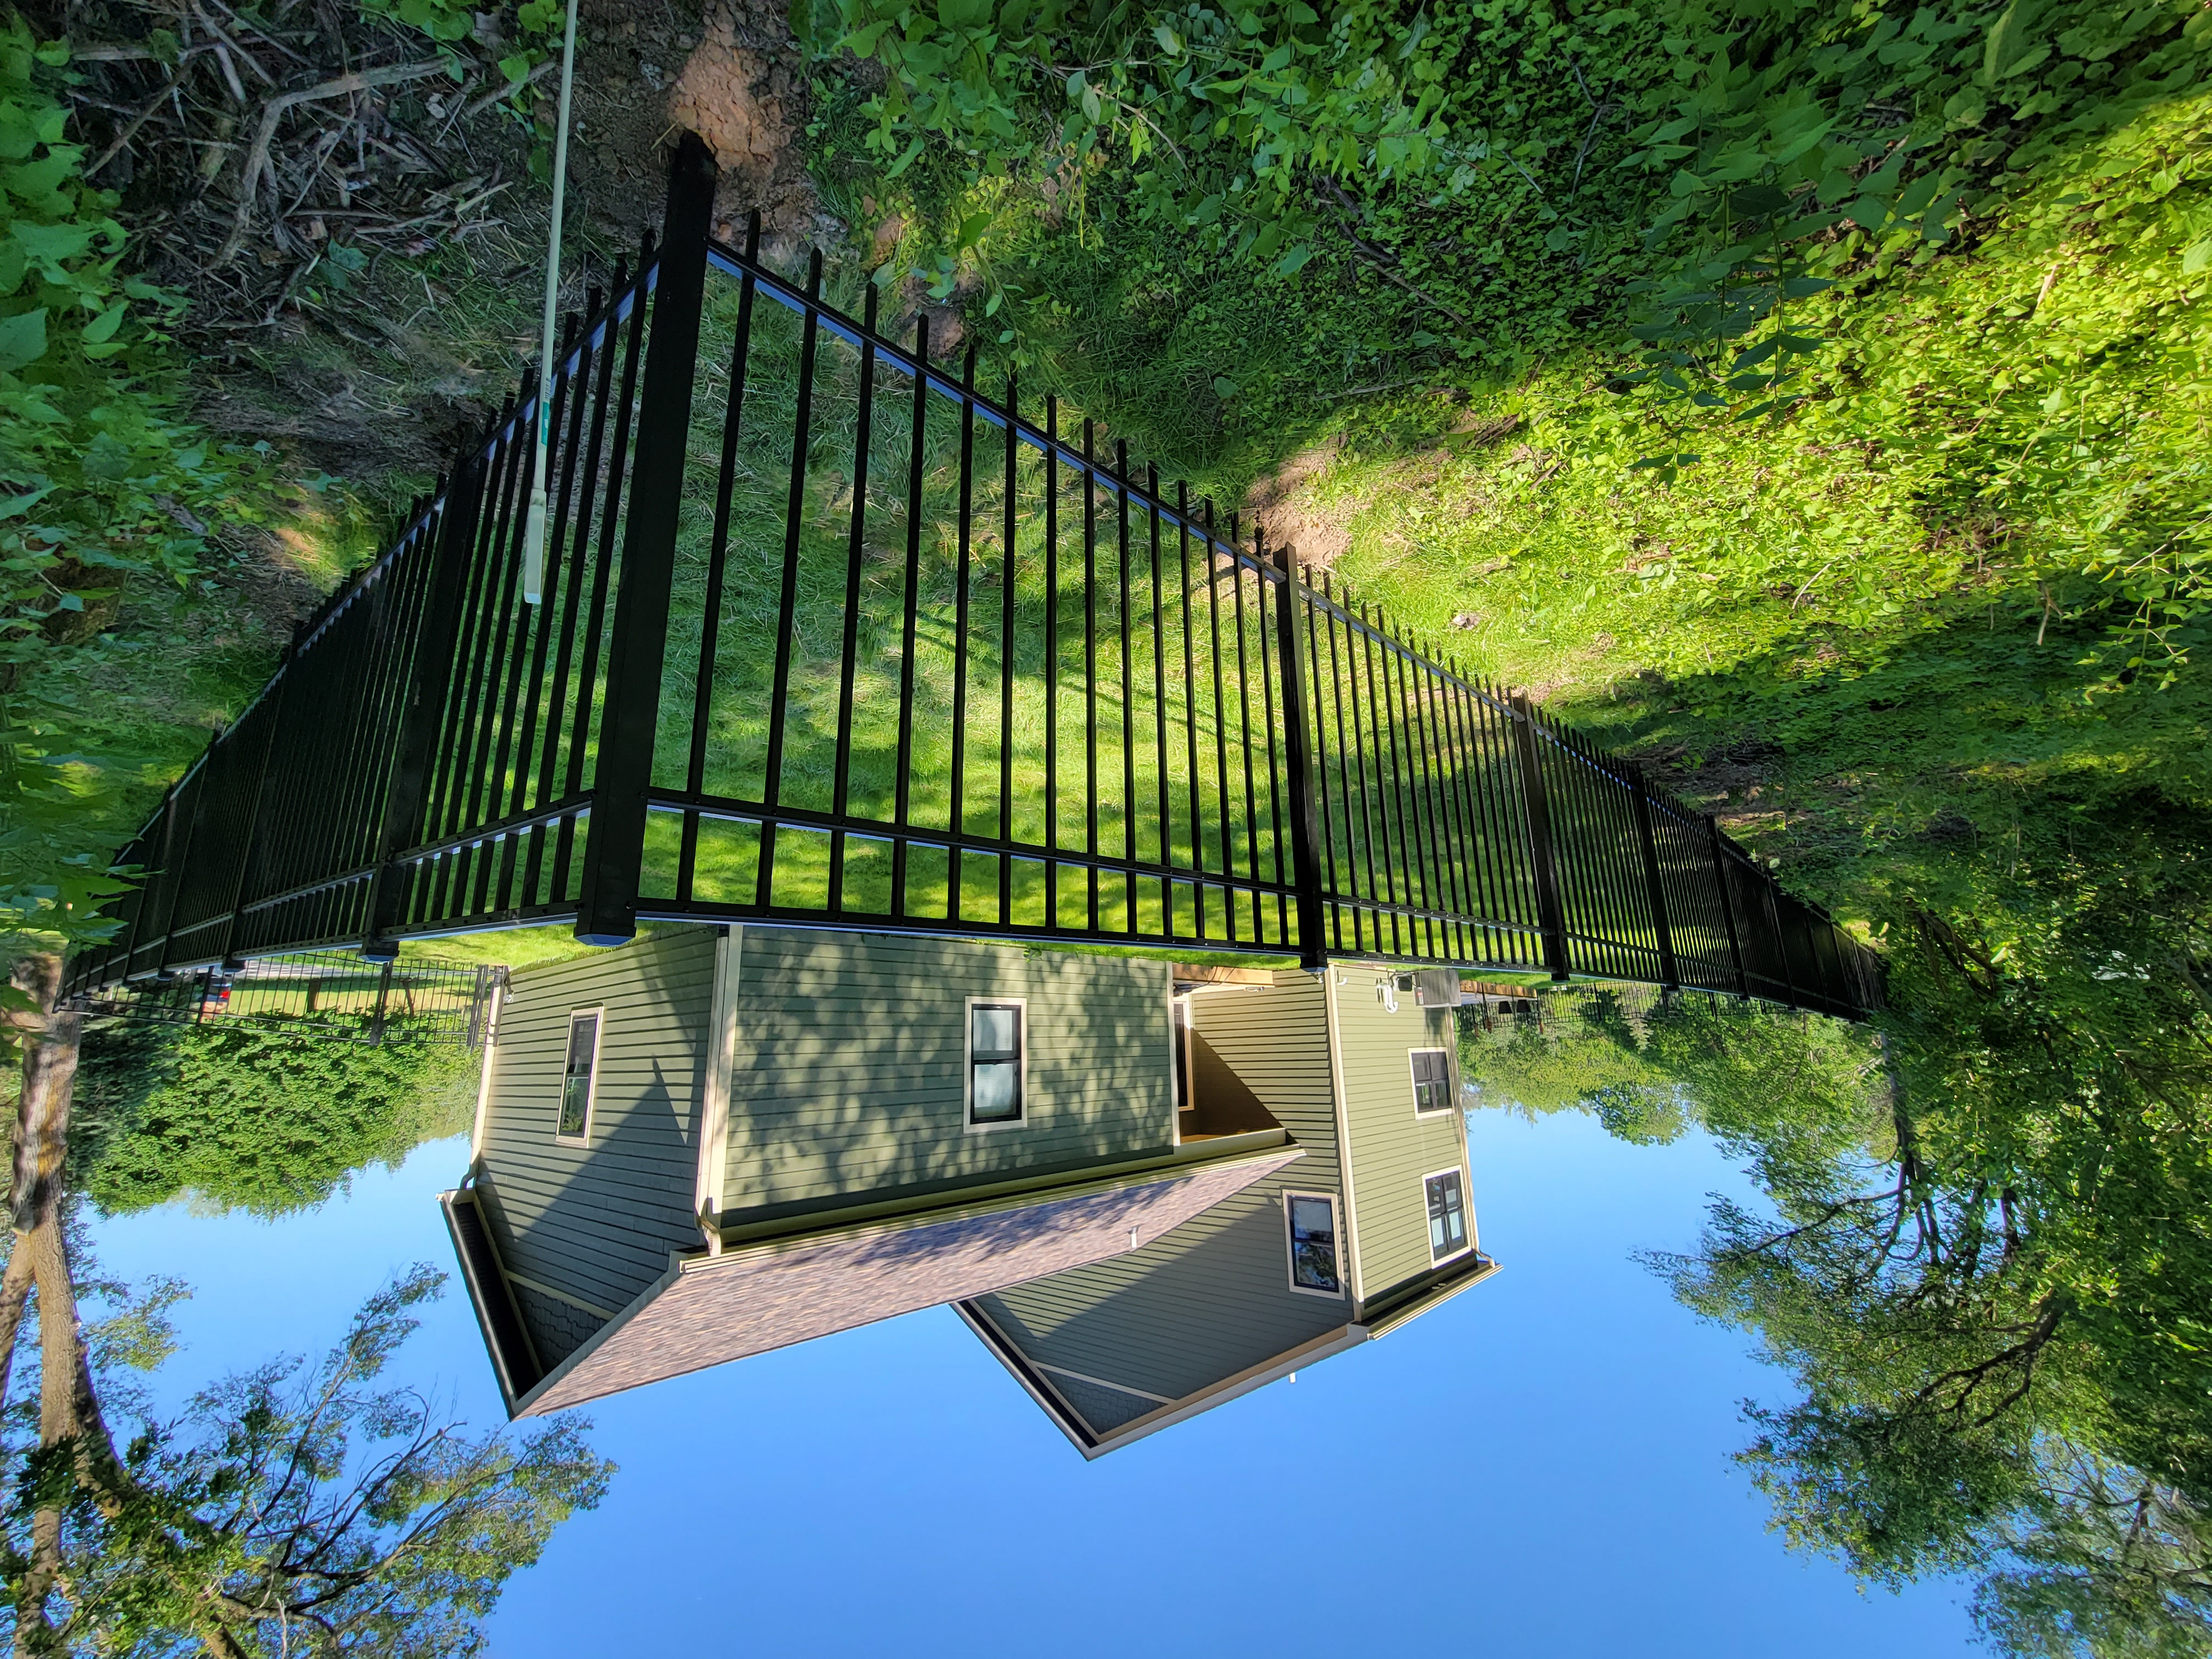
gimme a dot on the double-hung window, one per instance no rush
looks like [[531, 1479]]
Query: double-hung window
[[578, 1076], [995, 1062], [1432, 1080], [1447, 1214], [1311, 1220]]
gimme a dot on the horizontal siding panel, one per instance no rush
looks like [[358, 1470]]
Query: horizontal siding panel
[[597, 1222], [849, 1073], [1208, 1300], [1393, 1146]]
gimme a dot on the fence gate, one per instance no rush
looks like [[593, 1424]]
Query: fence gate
[[829, 635]]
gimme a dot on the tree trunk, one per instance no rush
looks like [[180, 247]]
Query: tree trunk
[[14, 1293], [69, 1409], [49, 1081]]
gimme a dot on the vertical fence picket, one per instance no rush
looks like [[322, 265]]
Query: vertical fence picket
[[794, 524], [910, 600]]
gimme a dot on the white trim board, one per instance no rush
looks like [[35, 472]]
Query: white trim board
[[721, 1057]]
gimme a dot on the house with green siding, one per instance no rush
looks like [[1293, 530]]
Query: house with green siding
[[713, 1142], [1374, 1226]]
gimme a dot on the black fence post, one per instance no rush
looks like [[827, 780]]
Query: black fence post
[[179, 849], [1305, 823], [383, 998], [1550, 916], [1640, 793], [249, 855], [430, 678], [1781, 941], [614, 850], [1727, 905], [149, 884]]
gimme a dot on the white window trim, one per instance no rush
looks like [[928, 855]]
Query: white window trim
[[1466, 1211], [1413, 1083], [968, 1066], [1290, 1248], [591, 1089]]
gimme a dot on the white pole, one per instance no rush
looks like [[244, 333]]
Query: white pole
[[533, 529]]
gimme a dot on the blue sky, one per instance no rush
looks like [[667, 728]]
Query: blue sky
[[1539, 1467]]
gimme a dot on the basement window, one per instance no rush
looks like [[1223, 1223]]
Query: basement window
[[1310, 1219], [1432, 1080], [1447, 1214], [579, 1076], [997, 1058]]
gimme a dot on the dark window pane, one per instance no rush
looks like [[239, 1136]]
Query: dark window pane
[[1432, 1080], [1313, 1245], [576, 1081], [998, 1097], [996, 1029], [1447, 1215], [995, 1063]]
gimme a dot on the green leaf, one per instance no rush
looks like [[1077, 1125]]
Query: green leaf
[[22, 339], [2197, 257], [2008, 38], [48, 245], [906, 157], [103, 326]]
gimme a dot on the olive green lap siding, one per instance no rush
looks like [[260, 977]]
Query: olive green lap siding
[[1275, 1040], [1391, 1148], [849, 1080], [1201, 1304], [595, 1223]]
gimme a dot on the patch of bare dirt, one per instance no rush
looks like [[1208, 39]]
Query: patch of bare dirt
[[1287, 507], [729, 70]]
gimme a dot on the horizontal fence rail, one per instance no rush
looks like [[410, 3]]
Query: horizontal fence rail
[[829, 635], [319, 993]]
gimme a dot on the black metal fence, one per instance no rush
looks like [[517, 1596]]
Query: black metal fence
[[828, 635], [321, 994]]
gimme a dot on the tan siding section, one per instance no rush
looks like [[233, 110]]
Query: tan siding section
[[1206, 1302], [597, 1222], [1276, 1041], [849, 1082], [1392, 1147]]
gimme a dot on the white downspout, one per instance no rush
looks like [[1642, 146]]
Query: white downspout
[[533, 529]]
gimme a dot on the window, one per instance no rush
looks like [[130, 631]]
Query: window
[[1311, 1218], [1447, 1215], [579, 1076], [995, 1061], [1432, 1080]]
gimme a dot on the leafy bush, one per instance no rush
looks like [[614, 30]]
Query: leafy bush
[[259, 1118], [104, 483], [1206, 222]]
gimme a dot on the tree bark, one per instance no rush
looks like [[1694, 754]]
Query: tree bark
[[69, 1408], [14, 1294], [49, 1080]]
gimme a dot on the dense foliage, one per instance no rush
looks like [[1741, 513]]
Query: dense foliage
[[1983, 1264], [1207, 220], [104, 483], [259, 1118], [289, 1508]]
